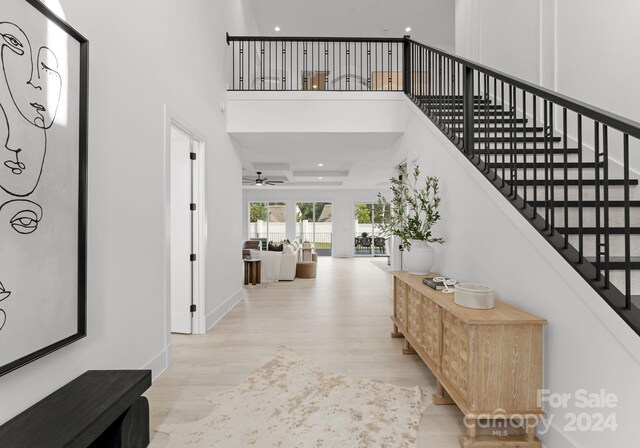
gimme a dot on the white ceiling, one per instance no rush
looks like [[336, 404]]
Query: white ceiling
[[432, 22], [360, 160], [351, 160]]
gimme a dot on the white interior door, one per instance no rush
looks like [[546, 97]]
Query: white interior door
[[181, 232]]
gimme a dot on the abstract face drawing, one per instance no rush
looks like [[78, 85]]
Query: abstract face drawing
[[18, 219], [30, 89]]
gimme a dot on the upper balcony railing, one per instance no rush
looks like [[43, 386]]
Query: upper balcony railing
[[322, 64]]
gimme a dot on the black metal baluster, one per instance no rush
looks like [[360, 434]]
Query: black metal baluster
[[495, 131], [535, 155], [369, 83], [389, 66], [565, 150], [513, 175], [552, 180], [262, 65], [605, 202], [347, 62], [627, 226], [241, 65], [333, 57], [430, 80], [524, 151], [310, 67], [467, 111], [361, 62], [291, 75], [546, 165], [580, 207], [251, 46], [486, 134], [596, 137], [398, 71], [326, 67], [502, 139], [269, 73]]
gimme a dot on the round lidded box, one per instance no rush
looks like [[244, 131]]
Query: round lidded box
[[475, 295]]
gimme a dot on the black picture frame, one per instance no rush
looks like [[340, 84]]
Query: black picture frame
[[82, 193]]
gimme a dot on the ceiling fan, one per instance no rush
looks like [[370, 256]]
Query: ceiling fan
[[260, 181]]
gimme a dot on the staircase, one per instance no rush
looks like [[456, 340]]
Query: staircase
[[563, 164], [590, 216]]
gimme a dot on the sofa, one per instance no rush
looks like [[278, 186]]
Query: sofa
[[278, 266]]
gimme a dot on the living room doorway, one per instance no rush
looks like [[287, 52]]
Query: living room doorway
[[367, 241], [314, 223], [186, 205]]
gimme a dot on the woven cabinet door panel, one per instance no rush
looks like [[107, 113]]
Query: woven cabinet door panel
[[414, 316], [400, 302], [455, 352], [431, 329]]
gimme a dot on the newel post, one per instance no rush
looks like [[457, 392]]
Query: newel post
[[406, 63]]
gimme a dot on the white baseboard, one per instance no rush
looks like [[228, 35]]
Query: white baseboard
[[213, 317], [160, 362]]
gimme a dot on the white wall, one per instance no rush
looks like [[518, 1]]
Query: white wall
[[343, 210], [485, 35], [143, 57], [580, 48], [586, 345]]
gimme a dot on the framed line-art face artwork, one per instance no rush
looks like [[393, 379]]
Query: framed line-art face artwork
[[43, 175]]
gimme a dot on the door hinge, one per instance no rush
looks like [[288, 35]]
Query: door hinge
[[193, 156], [193, 257], [193, 308], [192, 207]]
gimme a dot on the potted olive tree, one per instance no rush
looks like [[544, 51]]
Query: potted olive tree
[[410, 215]]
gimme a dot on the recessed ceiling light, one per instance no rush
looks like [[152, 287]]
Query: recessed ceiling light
[[406, 30], [320, 164], [277, 28], [320, 177]]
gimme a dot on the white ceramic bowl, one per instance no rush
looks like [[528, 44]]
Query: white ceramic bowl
[[475, 295]]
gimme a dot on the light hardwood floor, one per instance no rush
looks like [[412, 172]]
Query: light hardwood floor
[[340, 321]]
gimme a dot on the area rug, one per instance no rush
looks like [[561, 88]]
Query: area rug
[[290, 403]]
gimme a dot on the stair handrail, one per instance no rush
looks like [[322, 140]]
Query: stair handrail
[[619, 122]]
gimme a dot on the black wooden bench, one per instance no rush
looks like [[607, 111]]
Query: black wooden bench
[[99, 409]]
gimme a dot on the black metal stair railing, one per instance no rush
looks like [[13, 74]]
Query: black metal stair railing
[[563, 164]]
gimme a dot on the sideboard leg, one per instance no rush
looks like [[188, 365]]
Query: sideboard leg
[[441, 397], [407, 349], [469, 439], [395, 333], [530, 429]]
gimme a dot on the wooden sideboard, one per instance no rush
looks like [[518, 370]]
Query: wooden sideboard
[[487, 362]]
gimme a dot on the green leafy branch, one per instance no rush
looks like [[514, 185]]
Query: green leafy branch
[[412, 211]]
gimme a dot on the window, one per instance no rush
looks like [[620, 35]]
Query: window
[[267, 221]]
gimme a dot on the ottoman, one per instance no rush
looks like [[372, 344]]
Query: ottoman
[[306, 269]]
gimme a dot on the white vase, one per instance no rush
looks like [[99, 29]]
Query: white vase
[[419, 259]]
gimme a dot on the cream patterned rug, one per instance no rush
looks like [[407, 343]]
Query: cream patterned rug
[[290, 403]]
